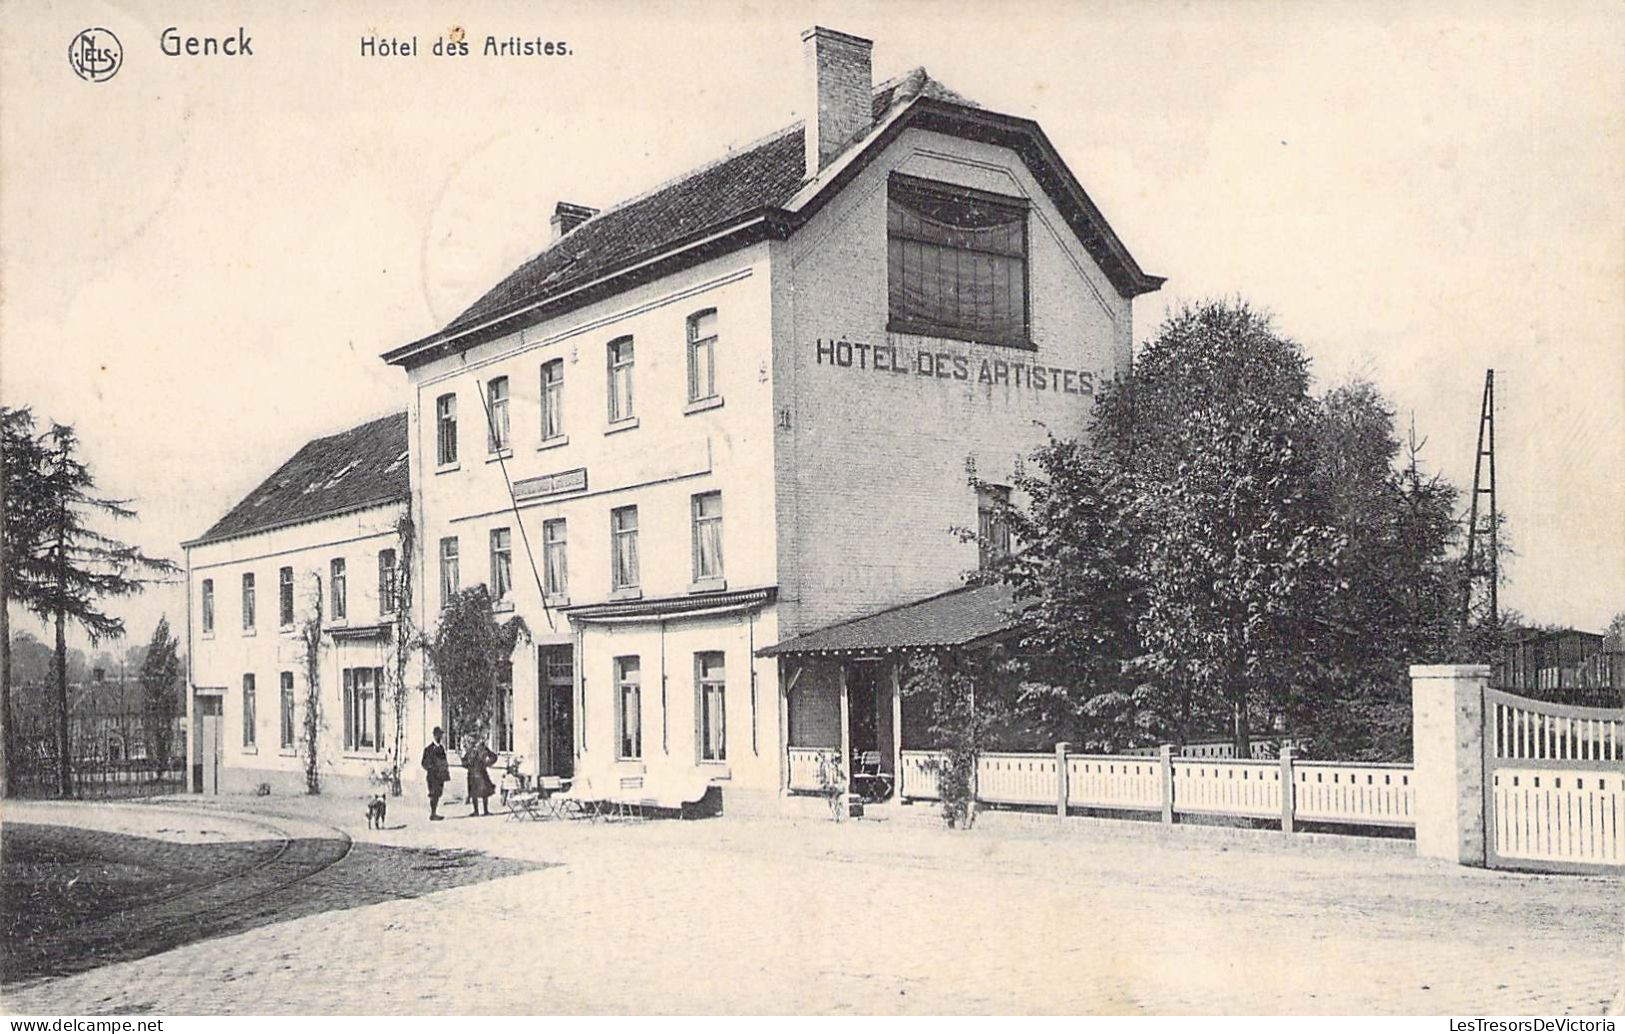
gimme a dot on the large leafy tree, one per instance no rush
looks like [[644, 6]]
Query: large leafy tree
[[160, 678], [1227, 548], [1077, 592], [470, 652], [57, 563], [1238, 555], [1399, 579]]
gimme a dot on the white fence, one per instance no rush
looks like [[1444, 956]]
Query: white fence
[[1543, 815], [1554, 784], [1017, 778], [1113, 781], [1320, 791], [805, 765], [1372, 794], [1219, 787]]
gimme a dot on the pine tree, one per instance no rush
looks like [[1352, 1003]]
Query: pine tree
[[23, 469], [70, 567], [160, 673]]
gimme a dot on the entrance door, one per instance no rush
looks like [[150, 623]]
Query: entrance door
[[556, 686], [870, 728], [210, 741]]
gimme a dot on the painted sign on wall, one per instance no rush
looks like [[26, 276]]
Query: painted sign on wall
[[955, 366]]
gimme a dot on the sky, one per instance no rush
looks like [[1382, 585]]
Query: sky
[[201, 258]]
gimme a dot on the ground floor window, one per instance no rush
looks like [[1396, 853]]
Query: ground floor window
[[363, 708], [249, 718], [629, 709], [503, 718], [711, 706], [287, 710]]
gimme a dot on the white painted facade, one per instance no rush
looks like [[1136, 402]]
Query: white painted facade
[[842, 487], [228, 651]]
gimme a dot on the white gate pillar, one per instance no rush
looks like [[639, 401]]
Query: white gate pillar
[[1447, 737]]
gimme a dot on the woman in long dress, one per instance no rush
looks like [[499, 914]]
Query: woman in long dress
[[478, 759]]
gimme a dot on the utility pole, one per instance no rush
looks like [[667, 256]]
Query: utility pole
[[1488, 555]]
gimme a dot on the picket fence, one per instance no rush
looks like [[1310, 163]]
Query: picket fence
[[1321, 791], [1554, 785]]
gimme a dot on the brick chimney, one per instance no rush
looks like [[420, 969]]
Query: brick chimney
[[567, 217], [839, 83]]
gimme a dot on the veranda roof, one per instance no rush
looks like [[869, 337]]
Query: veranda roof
[[960, 617]]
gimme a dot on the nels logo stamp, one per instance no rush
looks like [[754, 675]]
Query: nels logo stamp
[[96, 55]]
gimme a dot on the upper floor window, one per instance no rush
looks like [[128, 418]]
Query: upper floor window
[[445, 423], [552, 399], [497, 399], [248, 602], [992, 533], [207, 605], [956, 262], [707, 536], [449, 575], [285, 597], [341, 587], [555, 561], [386, 582], [620, 379], [501, 563], [702, 355], [623, 533]]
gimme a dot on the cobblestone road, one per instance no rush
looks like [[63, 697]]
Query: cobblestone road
[[738, 916]]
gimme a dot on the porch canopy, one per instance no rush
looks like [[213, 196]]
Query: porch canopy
[[842, 685], [963, 617]]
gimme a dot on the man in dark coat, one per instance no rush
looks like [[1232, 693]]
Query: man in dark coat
[[437, 771]]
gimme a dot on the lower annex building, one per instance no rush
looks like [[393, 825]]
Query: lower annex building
[[740, 409]]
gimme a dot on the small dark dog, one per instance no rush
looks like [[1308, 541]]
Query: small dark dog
[[377, 808]]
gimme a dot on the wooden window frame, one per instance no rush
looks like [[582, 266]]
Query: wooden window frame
[[900, 183], [445, 430], [623, 750], [562, 588], [699, 524], [552, 401], [695, 345], [616, 361]]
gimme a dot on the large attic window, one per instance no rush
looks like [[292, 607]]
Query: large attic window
[[956, 262]]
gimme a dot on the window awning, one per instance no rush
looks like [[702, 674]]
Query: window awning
[[962, 617], [378, 631], [673, 607]]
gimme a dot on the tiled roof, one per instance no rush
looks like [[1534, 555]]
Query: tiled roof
[[364, 466], [953, 618], [714, 196], [759, 188]]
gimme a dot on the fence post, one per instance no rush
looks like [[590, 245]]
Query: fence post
[[1062, 790], [1447, 736], [1167, 755], [1289, 804]]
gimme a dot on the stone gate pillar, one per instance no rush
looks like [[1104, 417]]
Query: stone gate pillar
[[1447, 736]]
